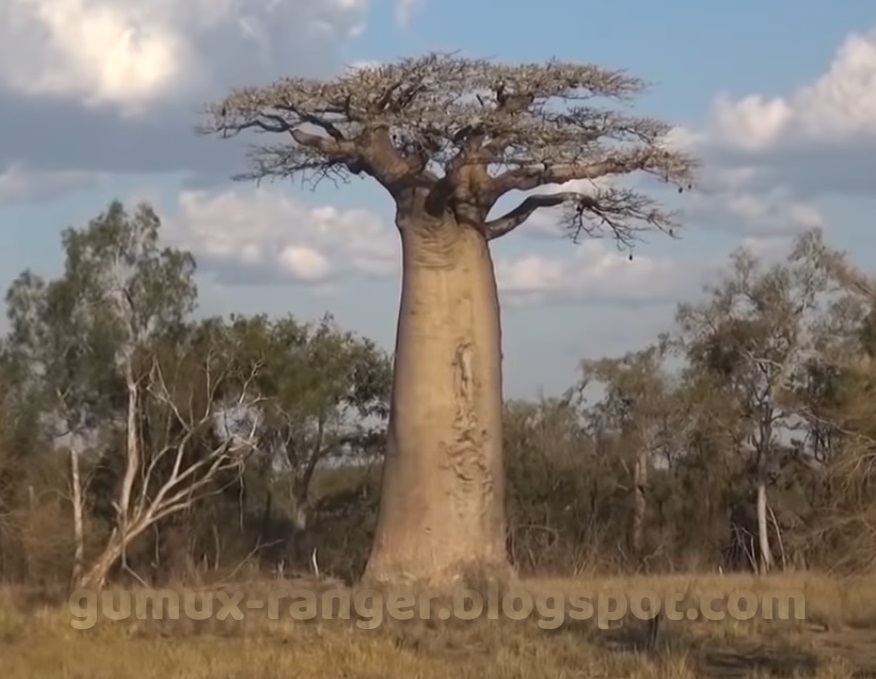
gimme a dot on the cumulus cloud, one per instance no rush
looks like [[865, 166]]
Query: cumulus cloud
[[769, 158], [596, 271], [734, 201], [795, 147], [128, 53], [837, 106], [114, 85], [265, 236]]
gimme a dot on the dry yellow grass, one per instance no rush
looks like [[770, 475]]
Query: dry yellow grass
[[837, 639]]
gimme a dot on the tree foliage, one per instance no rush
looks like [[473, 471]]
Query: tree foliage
[[260, 438]]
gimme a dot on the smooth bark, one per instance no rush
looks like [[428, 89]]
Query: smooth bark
[[97, 574], [765, 560], [78, 530], [442, 504], [765, 554], [132, 444]]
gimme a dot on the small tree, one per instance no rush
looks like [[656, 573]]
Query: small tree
[[94, 348], [318, 389], [759, 332], [77, 335], [197, 415], [638, 406], [447, 138]]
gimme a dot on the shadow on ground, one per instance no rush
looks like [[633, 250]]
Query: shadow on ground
[[789, 651]]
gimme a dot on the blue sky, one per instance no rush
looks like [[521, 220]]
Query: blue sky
[[777, 98]]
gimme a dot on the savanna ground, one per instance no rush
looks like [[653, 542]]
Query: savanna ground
[[836, 639]]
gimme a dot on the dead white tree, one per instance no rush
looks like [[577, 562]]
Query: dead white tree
[[78, 526], [200, 408]]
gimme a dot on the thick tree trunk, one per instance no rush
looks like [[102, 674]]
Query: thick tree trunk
[[442, 514]]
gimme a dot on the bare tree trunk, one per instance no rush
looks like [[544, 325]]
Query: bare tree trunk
[[765, 558], [301, 494], [300, 535], [132, 446], [78, 531], [300, 516], [98, 573], [442, 512], [640, 484]]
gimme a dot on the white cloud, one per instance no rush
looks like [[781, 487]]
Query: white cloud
[[752, 122], [768, 158], [837, 106], [270, 237], [129, 53], [597, 271], [18, 183], [261, 236], [733, 202], [303, 262]]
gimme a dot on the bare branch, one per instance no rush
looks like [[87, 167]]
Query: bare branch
[[511, 220], [467, 130], [624, 212], [667, 165]]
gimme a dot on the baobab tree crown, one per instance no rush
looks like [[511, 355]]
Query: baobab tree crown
[[449, 136]]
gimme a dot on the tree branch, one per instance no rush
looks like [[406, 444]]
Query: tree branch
[[667, 165], [623, 212], [511, 220], [464, 131]]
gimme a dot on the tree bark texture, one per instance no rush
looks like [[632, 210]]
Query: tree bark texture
[[442, 514]]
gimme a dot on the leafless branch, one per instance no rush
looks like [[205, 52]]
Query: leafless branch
[[623, 212], [511, 220], [185, 465], [466, 130]]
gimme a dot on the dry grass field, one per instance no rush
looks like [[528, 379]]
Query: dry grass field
[[837, 638]]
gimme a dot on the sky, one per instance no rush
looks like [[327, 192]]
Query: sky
[[99, 100]]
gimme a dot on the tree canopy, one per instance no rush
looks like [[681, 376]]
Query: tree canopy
[[467, 132]]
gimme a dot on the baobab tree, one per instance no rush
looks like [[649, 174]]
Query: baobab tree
[[448, 137]]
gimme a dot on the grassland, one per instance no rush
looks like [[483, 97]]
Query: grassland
[[837, 638]]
